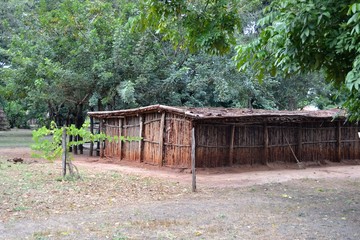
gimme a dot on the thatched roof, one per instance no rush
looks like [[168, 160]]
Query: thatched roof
[[4, 124], [225, 114]]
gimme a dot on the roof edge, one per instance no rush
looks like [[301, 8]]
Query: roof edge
[[220, 113]]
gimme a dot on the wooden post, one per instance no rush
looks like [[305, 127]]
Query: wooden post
[[193, 159], [141, 135], [266, 145], [338, 135], [92, 132], [231, 150], [64, 155], [299, 147], [120, 141], [98, 143], [101, 125], [161, 139]]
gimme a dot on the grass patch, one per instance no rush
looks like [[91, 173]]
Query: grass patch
[[16, 138], [19, 208], [119, 236], [33, 190], [41, 235]]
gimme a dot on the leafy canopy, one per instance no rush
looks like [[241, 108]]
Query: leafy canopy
[[298, 36], [302, 36], [66, 57], [208, 25]]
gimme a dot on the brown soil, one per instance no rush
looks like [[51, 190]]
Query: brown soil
[[248, 202]]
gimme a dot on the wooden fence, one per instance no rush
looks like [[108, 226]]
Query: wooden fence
[[166, 141], [225, 145]]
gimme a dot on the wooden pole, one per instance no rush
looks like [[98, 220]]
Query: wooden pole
[[266, 145], [293, 153], [193, 159], [92, 132], [120, 141], [161, 139], [231, 150], [338, 135], [141, 135], [101, 126], [98, 143], [64, 155]]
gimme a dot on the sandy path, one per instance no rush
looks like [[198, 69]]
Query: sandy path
[[219, 177], [232, 203]]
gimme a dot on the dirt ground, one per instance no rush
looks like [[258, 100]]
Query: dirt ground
[[147, 202]]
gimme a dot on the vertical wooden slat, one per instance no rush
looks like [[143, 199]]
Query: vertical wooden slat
[[231, 150], [120, 135], [266, 145], [193, 159], [101, 128], [161, 139], [338, 135], [299, 142], [141, 122], [98, 142], [92, 132]]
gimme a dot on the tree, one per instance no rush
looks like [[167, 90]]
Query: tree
[[51, 143], [301, 36], [69, 56], [11, 13], [208, 25], [61, 53]]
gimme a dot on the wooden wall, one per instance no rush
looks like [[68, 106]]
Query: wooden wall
[[151, 139], [350, 145], [177, 141], [212, 145], [319, 142], [111, 128], [131, 128], [166, 141], [225, 145]]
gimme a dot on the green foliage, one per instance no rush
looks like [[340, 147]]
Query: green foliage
[[48, 141], [16, 114], [126, 92], [296, 36], [50, 146], [352, 104], [195, 25], [61, 53], [163, 75], [299, 36], [69, 56]]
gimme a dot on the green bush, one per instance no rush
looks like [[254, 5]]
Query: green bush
[[16, 115]]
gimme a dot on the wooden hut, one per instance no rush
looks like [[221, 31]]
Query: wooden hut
[[215, 137], [4, 124]]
